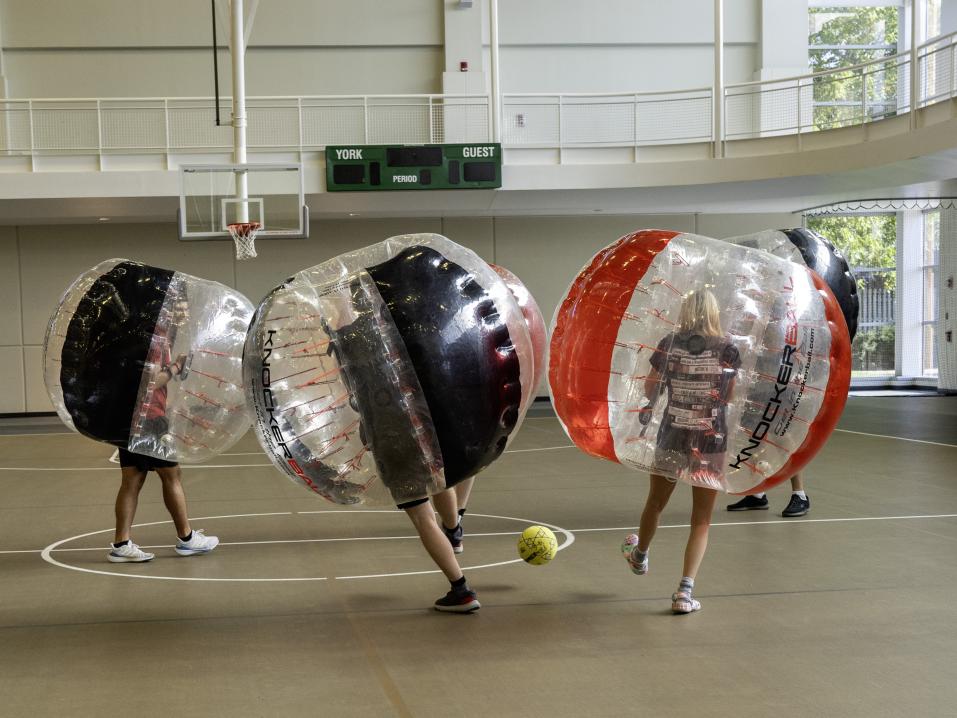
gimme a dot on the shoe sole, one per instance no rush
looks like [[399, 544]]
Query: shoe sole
[[681, 612], [749, 508], [793, 515], [124, 559], [472, 605], [457, 549], [193, 552]]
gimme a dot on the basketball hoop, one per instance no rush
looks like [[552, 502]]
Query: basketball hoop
[[244, 234]]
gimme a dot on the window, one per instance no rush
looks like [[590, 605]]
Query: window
[[869, 243], [930, 262], [842, 37]]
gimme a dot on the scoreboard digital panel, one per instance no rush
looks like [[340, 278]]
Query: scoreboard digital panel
[[361, 168]]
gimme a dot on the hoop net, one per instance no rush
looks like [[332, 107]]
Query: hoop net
[[244, 234]]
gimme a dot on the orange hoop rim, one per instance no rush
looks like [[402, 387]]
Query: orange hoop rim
[[244, 228]]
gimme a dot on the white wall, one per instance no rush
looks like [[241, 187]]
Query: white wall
[[622, 45], [116, 48], [37, 263]]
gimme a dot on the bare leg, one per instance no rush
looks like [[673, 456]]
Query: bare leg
[[797, 483], [126, 500], [434, 540], [659, 491], [463, 490], [175, 498], [702, 507], [447, 508]]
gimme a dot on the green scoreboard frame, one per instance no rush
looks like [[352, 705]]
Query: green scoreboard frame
[[364, 168]]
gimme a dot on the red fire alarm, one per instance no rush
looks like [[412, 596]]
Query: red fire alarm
[[464, 66]]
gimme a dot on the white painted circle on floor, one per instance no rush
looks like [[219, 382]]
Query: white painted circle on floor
[[47, 553]]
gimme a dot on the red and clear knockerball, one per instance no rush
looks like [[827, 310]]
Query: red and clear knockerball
[[713, 364]]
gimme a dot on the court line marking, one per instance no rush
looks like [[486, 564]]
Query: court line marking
[[899, 438], [470, 534], [782, 521], [45, 554]]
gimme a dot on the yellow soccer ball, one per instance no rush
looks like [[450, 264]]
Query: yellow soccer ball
[[537, 545]]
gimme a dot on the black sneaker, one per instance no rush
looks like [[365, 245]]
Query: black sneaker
[[750, 503], [458, 600], [796, 507], [455, 537]]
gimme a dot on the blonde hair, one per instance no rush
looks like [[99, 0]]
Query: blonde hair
[[699, 314]]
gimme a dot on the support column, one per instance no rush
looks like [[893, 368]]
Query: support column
[[717, 110], [782, 52], [947, 302], [463, 44], [238, 47], [909, 335]]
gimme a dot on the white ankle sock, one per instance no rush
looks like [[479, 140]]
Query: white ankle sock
[[801, 494]]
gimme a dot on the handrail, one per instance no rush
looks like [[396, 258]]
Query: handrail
[[624, 119], [812, 75], [606, 94], [207, 98], [847, 68]]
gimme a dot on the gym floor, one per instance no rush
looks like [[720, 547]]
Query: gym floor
[[310, 609]]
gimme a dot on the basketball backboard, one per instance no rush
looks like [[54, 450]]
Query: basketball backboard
[[214, 196]]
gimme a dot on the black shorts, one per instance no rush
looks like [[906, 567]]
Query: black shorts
[[144, 463], [411, 504]]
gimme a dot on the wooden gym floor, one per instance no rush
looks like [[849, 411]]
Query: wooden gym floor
[[310, 610]]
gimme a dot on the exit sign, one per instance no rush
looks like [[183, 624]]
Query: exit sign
[[360, 168]]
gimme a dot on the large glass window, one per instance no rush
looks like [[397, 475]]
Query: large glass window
[[869, 243], [842, 37], [931, 260]]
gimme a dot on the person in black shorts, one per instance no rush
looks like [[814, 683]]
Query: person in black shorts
[[694, 367], [134, 467], [387, 432]]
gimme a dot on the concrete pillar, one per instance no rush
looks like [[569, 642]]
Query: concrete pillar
[[782, 52], [909, 336], [463, 121], [947, 302]]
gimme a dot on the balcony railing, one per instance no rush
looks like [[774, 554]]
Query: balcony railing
[[606, 120], [851, 96], [180, 125]]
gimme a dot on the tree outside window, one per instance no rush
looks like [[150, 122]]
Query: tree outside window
[[869, 243], [841, 37]]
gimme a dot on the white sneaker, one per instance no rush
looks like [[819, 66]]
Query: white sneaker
[[129, 553], [198, 543]]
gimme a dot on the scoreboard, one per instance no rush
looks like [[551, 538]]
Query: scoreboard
[[362, 168]]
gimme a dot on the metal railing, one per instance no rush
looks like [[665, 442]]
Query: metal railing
[[171, 125], [849, 96], [844, 97], [606, 119]]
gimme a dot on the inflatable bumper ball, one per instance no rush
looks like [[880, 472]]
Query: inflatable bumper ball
[[533, 319], [817, 254], [390, 373], [149, 360], [709, 363]]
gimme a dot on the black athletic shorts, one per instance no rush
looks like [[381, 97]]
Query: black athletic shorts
[[144, 463], [411, 504]]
